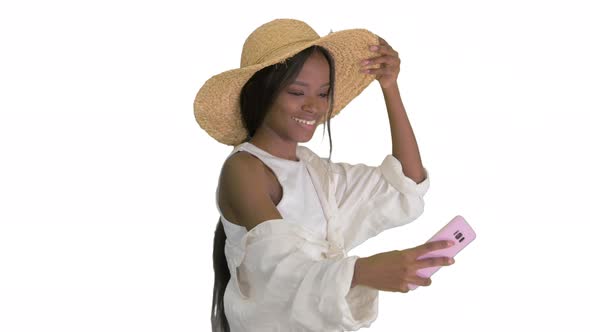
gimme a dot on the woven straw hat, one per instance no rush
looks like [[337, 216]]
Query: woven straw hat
[[217, 104]]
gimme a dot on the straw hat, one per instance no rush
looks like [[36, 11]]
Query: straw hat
[[217, 104]]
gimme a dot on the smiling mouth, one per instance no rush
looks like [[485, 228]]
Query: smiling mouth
[[305, 122]]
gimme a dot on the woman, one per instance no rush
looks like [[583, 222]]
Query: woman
[[288, 217]]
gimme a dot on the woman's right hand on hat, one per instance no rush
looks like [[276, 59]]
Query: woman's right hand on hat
[[393, 271]]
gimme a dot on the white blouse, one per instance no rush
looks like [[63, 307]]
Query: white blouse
[[293, 273]]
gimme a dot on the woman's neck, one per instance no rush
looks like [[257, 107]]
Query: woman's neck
[[275, 145]]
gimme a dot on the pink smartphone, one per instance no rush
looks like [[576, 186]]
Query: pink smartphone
[[457, 230]]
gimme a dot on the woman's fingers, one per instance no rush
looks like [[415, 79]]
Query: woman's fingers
[[388, 60], [384, 48], [374, 71], [385, 59], [417, 280], [387, 54], [434, 261], [431, 246], [387, 65]]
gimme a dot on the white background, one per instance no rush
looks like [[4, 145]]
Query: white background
[[107, 182]]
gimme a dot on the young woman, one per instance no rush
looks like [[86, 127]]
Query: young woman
[[289, 217]]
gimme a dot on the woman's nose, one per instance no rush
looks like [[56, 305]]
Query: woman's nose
[[312, 105]]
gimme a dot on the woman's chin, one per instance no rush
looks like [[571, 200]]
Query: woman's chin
[[304, 137]]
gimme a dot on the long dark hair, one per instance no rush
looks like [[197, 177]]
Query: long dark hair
[[256, 97]]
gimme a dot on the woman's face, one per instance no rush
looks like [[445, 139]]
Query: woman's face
[[303, 104]]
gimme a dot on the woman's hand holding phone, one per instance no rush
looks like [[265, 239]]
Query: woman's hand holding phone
[[401, 271], [395, 271]]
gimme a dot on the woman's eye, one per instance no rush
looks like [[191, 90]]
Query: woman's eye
[[323, 95]]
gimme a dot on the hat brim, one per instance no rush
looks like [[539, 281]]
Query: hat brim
[[216, 105]]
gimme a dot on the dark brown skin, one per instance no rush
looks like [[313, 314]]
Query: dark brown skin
[[393, 270], [249, 191], [403, 142]]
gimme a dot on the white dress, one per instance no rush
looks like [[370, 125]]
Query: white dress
[[293, 273]]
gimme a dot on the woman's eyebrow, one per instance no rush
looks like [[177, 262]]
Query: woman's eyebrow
[[305, 84]]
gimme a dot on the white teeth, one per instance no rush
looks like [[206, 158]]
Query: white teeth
[[310, 123]]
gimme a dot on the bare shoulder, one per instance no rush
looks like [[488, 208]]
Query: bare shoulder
[[241, 164], [244, 198]]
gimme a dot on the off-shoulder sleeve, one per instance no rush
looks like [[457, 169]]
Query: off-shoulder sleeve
[[284, 269], [371, 199]]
